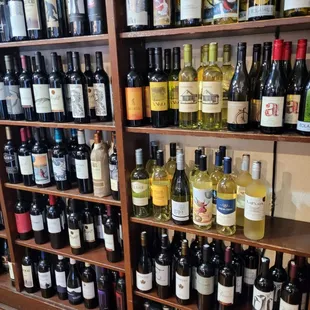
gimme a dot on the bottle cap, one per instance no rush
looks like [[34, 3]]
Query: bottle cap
[[72, 261], [257, 47], [256, 170], [228, 255], [158, 51], [286, 49], [87, 265], [222, 149], [160, 158], [203, 163], [277, 50], [143, 238], [52, 200], [180, 160], [58, 135], [198, 153], [139, 156], [173, 147], [245, 162], [227, 165], [301, 49], [8, 133], [218, 159]]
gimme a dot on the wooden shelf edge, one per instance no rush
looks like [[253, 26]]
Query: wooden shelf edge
[[280, 235], [3, 234], [71, 193]]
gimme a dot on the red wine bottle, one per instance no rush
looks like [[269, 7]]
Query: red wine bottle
[[72, 148], [196, 255], [61, 275], [45, 277], [286, 58], [89, 226], [302, 280], [74, 284], [96, 17], [55, 19], [3, 106], [67, 86], [120, 293], [78, 25], [98, 217], [113, 166], [89, 289], [256, 65], [90, 86], [31, 284], [17, 20], [34, 22], [5, 32]]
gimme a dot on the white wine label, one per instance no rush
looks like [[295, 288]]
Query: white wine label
[[25, 164], [136, 13], [17, 18], [188, 96], [239, 284], [225, 10], [27, 276], [42, 98], [238, 112], [37, 222], [109, 242], [26, 97], [11, 271], [182, 286], [54, 226], [89, 232], [91, 97], [249, 276], [81, 166], [45, 280], [12, 97], [74, 238], [141, 189], [57, 102], [100, 99], [162, 274], [262, 300], [144, 281], [272, 111], [292, 109], [2, 91], [261, 10], [212, 97], [77, 100], [303, 301], [96, 170], [194, 277], [205, 286], [226, 212], [60, 168], [296, 4], [240, 197], [277, 290], [190, 9], [254, 209], [303, 126], [41, 168], [88, 289], [286, 306], [140, 202], [32, 15], [180, 210], [202, 206], [60, 277], [225, 294]]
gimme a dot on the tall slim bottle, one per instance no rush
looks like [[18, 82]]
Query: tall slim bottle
[[96, 17], [147, 78], [171, 164], [67, 86], [34, 22], [286, 58], [90, 86]]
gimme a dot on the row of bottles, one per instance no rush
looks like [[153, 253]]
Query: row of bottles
[[32, 94], [41, 19], [201, 197], [41, 163], [85, 225], [153, 14], [75, 281], [214, 274]]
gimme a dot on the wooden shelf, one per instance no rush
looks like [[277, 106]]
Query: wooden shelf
[[3, 234], [224, 134], [71, 193], [92, 126], [283, 235], [95, 256], [237, 29]]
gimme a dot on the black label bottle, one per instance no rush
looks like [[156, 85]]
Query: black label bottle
[[17, 20], [78, 25]]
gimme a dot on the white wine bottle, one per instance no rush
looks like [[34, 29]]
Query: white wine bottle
[[254, 208]]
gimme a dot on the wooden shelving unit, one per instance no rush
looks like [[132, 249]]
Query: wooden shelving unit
[[3, 234]]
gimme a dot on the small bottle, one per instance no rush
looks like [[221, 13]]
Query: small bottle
[[171, 164]]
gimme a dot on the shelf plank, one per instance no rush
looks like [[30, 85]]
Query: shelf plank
[[283, 235], [109, 126], [223, 134], [3, 234], [95, 256], [245, 28], [71, 193]]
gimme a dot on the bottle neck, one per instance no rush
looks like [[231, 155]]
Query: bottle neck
[[167, 62], [226, 58], [241, 63], [188, 58], [213, 57], [265, 269], [279, 260], [151, 61], [54, 63], [9, 65], [38, 62], [158, 62], [176, 61], [76, 63], [87, 62], [99, 62], [132, 61], [81, 138]]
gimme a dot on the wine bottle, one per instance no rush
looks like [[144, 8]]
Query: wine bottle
[[120, 293], [159, 93], [296, 8], [17, 20], [74, 284], [45, 277], [238, 265], [78, 25], [72, 148], [160, 190], [61, 275], [134, 94], [194, 172], [217, 260], [243, 180], [144, 273], [255, 67], [89, 289], [162, 14], [83, 166], [29, 273], [196, 256], [188, 92], [137, 15], [3, 106], [98, 216], [302, 281], [147, 95], [286, 58], [5, 31], [226, 201], [90, 84], [225, 14], [261, 11], [89, 226], [105, 290], [212, 92], [96, 17], [55, 19], [68, 86], [239, 94], [33, 14], [207, 12], [140, 188], [254, 207], [167, 61], [171, 164], [296, 83], [190, 13], [176, 249], [113, 166]]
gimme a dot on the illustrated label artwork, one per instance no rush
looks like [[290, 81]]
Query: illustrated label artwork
[[292, 109], [202, 206], [91, 97], [57, 103], [42, 98], [272, 111], [188, 96], [225, 9], [41, 168], [262, 300], [12, 97], [77, 100], [51, 13], [238, 112], [136, 12], [173, 95], [159, 96], [207, 15], [60, 168], [100, 99], [134, 101], [212, 97], [162, 12]]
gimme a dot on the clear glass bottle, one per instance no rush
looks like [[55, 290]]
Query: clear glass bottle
[[171, 164]]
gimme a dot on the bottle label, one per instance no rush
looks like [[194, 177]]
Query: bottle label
[[91, 97], [180, 210], [225, 294], [162, 274], [239, 284], [61, 281], [182, 286], [207, 11], [136, 13], [60, 168], [303, 126], [88, 289], [42, 98], [68, 97], [89, 232], [51, 13], [212, 97], [243, 10], [140, 193], [162, 13], [134, 101], [45, 280], [286, 306], [238, 112], [249, 276], [23, 223], [173, 95], [225, 10], [2, 91], [25, 163], [74, 238], [277, 290], [190, 10], [100, 99], [54, 226], [27, 276], [75, 294], [41, 169], [109, 242], [262, 300], [159, 96], [12, 97], [32, 15], [272, 111], [202, 206], [77, 100], [293, 4], [11, 271], [96, 170], [11, 163], [265, 9], [188, 96], [256, 110], [57, 102], [205, 286], [26, 97], [292, 109], [160, 195], [94, 10], [81, 166], [17, 18], [240, 197], [254, 208], [37, 222], [76, 10], [147, 98], [144, 281], [226, 212]]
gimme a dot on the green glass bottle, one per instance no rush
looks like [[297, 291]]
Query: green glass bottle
[[188, 92], [140, 188], [171, 164], [212, 92]]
